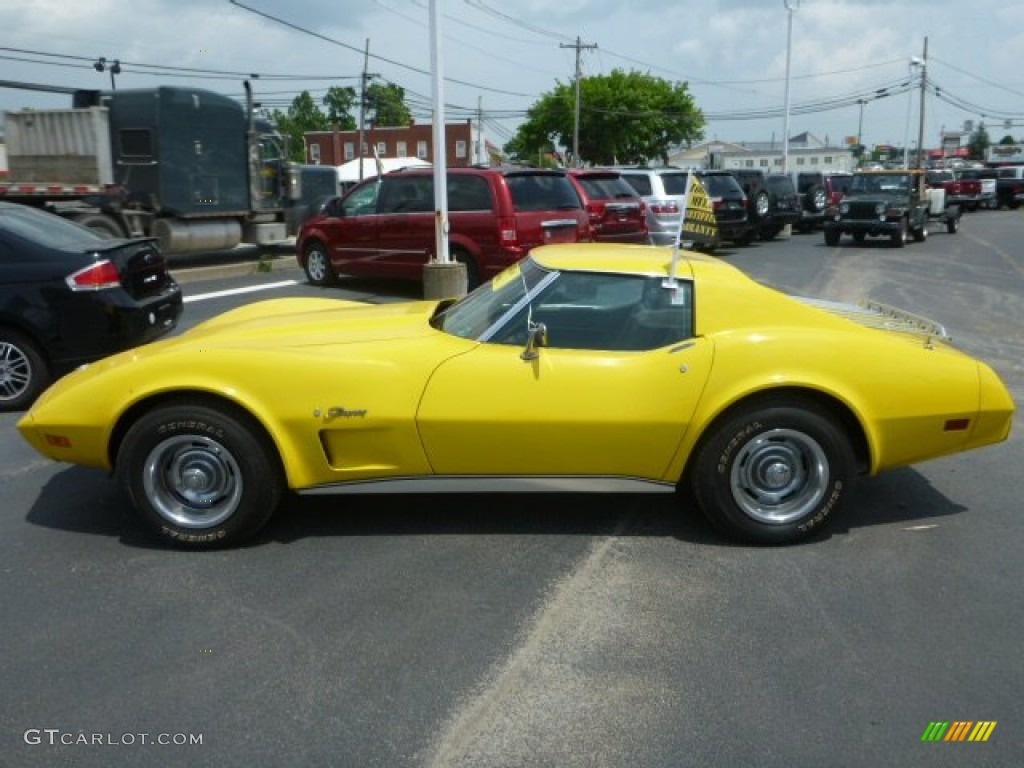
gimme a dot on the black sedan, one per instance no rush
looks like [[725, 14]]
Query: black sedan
[[69, 296]]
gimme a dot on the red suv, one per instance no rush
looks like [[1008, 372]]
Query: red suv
[[385, 227], [616, 213]]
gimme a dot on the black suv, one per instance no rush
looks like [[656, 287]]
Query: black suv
[[772, 201], [730, 205]]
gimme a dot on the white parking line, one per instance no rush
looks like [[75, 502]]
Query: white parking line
[[236, 291]]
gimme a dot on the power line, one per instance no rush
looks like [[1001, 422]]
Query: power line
[[399, 64]]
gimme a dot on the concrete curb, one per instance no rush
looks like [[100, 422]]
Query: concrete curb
[[190, 274]]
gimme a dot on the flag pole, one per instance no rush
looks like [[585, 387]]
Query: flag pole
[[670, 281]]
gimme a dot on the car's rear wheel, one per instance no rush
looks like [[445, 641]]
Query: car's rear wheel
[[921, 233], [773, 474], [317, 264], [200, 476], [23, 371], [952, 224]]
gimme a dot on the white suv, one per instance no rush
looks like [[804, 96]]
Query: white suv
[[662, 190]]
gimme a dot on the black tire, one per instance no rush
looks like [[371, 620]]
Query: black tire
[[200, 476], [921, 233], [745, 239], [769, 233], [815, 199], [472, 271], [24, 373], [953, 224], [774, 473], [102, 224], [832, 237], [899, 237], [761, 205], [317, 264]]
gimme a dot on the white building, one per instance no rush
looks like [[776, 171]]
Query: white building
[[806, 153]]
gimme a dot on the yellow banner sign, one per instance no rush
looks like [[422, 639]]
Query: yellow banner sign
[[699, 225]]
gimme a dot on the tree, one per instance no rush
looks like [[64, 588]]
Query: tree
[[340, 103], [302, 116], [386, 107], [625, 117], [978, 143], [1007, 140]]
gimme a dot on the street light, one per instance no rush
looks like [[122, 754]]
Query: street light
[[789, 47], [115, 69]]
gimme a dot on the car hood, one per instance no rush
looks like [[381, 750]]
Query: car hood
[[292, 323]]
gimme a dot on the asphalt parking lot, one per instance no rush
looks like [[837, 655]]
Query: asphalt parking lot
[[553, 631]]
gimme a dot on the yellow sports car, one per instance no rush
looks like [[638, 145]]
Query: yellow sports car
[[587, 367]]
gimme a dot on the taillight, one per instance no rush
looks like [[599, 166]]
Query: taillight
[[594, 212], [507, 235], [95, 277], [718, 203], [662, 207]]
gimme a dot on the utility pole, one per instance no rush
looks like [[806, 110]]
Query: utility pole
[[367, 76], [481, 146], [580, 47], [920, 126]]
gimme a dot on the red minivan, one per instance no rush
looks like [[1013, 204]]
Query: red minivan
[[384, 227], [616, 212]]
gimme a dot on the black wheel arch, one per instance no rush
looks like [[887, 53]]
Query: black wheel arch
[[794, 396], [190, 398]]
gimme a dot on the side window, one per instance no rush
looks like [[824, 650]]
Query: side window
[[469, 193], [605, 312], [641, 184], [406, 194], [136, 144], [362, 200]]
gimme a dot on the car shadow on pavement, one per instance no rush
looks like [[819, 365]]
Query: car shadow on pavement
[[82, 500]]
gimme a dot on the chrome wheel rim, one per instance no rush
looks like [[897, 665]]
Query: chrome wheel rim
[[15, 371], [779, 476], [316, 264], [192, 481]]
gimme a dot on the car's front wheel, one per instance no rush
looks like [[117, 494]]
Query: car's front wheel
[[200, 476], [899, 237], [317, 264], [832, 237], [773, 474]]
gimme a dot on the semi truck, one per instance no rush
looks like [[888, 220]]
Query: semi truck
[[194, 169]]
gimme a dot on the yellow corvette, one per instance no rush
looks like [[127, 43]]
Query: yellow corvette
[[582, 368]]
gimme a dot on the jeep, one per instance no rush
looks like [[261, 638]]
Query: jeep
[[892, 204]]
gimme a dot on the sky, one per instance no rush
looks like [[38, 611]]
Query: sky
[[850, 60]]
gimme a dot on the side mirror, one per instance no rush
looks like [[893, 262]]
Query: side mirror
[[537, 336]]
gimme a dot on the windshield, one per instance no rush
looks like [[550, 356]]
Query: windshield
[[473, 315], [882, 183]]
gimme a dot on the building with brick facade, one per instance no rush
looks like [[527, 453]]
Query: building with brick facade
[[464, 146]]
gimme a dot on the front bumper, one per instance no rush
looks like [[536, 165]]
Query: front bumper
[[869, 227]]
